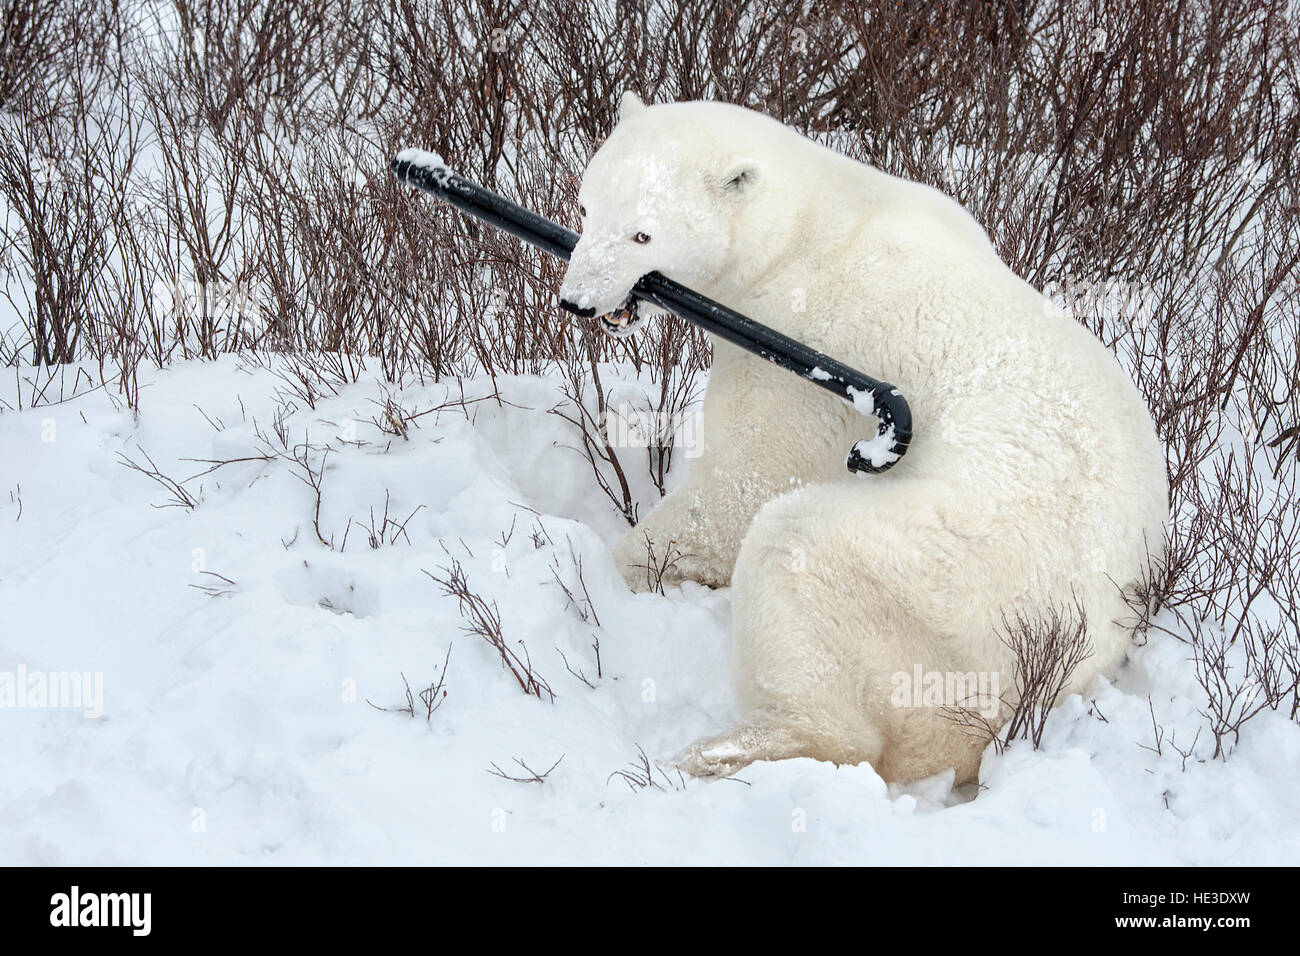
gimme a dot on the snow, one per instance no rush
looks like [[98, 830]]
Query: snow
[[235, 726], [863, 400], [427, 160], [878, 450]]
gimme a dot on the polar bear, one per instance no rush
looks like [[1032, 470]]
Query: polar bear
[[1035, 483]]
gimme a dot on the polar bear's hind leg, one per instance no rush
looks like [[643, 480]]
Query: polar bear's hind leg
[[758, 738], [838, 589]]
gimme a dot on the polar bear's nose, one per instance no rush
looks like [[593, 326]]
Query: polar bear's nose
[[570, 306]]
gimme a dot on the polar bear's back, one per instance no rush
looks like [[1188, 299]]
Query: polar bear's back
[[1015, 387]]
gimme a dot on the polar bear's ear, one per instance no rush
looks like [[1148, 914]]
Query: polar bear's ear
[[740, 177], [628, 104]]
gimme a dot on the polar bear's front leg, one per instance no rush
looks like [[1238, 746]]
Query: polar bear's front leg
[[674, 543], [764, 433], [694, 533]]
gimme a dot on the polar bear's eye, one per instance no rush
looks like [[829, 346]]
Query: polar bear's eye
[[641, 237], [582, 211]]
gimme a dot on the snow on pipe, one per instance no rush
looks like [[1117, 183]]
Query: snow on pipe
[[428, 172]]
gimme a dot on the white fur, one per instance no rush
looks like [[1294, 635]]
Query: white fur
[[1035, 476]]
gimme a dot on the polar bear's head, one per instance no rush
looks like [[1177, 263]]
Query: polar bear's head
[[660, 195]]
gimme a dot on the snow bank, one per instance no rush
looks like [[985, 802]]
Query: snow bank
[[238, 655]]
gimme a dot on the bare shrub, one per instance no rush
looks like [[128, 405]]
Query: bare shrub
[[312, 474], [1046, 652], [640, 774], [430, 698], [484, 620], [1238, 690], [222, 586], [658, 562], [389, 530], [583, 605], [581, 375], [529, 776], [178, 496]]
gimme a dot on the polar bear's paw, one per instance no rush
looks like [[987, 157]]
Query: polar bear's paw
[[715, 756], [723, 754], [650, 565]]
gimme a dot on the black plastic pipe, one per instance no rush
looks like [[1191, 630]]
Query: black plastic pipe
[[426, 172]]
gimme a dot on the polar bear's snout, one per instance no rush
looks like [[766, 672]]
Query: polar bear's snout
[[621, 313], [594, 294], [601, 274], [582, 301]]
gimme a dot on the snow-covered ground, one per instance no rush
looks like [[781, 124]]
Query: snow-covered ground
[[240, 657]]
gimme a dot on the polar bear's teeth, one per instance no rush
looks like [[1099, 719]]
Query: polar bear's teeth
[[623, 320]]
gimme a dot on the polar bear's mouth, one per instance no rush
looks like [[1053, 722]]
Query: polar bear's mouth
[[624, 320]]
